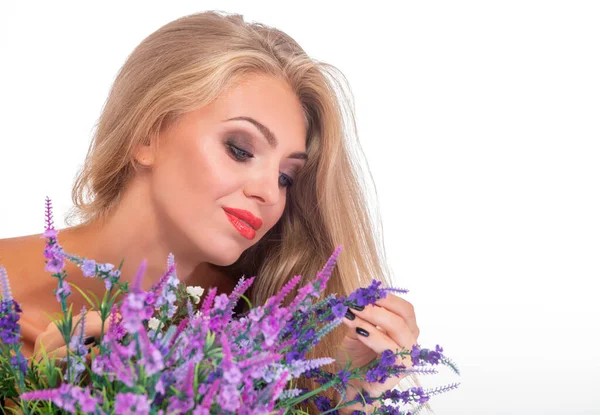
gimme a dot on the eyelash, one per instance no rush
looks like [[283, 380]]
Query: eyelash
[[243, 156]]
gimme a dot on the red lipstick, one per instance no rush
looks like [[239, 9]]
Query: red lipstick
[[245, 222]]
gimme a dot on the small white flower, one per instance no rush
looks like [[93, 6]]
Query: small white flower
[[195, 293], [154, 323]]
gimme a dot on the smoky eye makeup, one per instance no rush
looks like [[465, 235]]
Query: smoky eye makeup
[[241, 145], [242, 141]]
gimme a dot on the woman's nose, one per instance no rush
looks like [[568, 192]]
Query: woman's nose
[[264, 187]]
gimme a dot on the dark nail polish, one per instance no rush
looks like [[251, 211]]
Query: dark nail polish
[[350, 315], [358, 307], [362, 332], [89, 340]]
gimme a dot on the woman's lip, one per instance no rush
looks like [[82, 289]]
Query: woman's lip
[[242, 227], [246, 216]]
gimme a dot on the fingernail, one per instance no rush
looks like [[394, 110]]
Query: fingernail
[[362, 332], [350, 315], [357, 307], [89, 340]]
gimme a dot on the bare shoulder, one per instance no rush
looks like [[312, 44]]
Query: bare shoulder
[[20, 247], [21, 257]]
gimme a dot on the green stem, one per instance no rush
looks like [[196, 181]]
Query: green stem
[[307, 395]]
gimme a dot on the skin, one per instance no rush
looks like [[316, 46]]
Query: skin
[[174, 204]]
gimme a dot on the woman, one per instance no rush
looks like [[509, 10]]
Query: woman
[[224, 143]]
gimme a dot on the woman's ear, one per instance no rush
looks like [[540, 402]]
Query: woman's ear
[[144, 155]]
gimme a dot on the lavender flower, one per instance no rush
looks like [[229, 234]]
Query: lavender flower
[[88, 268], [134, 308], [204, 361], [185, 402], [152, 359], [9, 317], [168, 290], [301, 366], [75, 365], [5, 291], [10, 331], [421, 356], [63, 291], [338, 309], [55, 264], [131, 404], [68, 397]]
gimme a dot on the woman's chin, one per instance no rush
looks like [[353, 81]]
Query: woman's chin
[[225, 256]]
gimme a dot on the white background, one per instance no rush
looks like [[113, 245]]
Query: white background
[[480, 122]]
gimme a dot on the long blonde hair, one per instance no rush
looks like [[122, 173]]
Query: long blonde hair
[[185, 65]]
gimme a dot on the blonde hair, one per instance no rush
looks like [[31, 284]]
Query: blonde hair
[[186, 64]]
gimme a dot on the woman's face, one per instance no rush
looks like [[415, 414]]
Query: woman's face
[[209, 161]]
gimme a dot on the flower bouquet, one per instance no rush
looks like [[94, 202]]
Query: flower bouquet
[[164, 352]]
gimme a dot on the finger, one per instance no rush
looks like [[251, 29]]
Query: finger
[[352, 334], [401, 307], [394, 325], [49, 340], [52, 338], [93, 324], [61, 352], [375, 339], [56, 353]]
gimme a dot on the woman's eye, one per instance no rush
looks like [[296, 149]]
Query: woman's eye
[[238, 153], [287, 181], [243, 155]]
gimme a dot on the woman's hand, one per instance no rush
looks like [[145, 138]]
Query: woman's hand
[[390, 324], [51, 340]]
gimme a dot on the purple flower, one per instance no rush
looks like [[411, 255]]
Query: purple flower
[[368, 295], [75, 365], [339, 310], [167, 289], [270, 328], [63, 291], [50, 233], [51, 250], [344, 377], [229, 397], [5, 292], [68, 397], [413, 394], [376, 374], [88, 268], [135, 308], [10, 331], [301, 366], [322, 403], [324, 275], [387, 358], [55, 264], [131, 404], [18, 361], [183, 404], [221, 301], [152, 359], [421, 356], [9, 327], [105, 268]]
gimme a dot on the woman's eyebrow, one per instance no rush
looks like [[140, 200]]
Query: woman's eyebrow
[[269, 136]]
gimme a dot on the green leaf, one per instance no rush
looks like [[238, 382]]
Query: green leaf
[[84, 295]]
